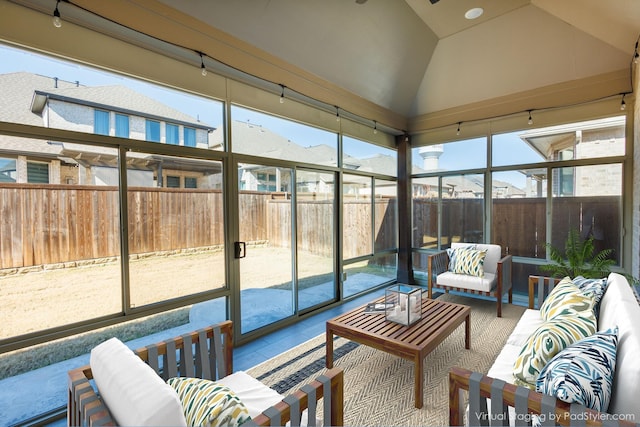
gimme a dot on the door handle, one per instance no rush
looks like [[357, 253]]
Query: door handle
[[240, 249]]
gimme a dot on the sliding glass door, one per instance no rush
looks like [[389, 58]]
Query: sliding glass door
[[265, 251]]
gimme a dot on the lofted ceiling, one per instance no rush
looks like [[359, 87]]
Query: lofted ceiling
[[415, 58]]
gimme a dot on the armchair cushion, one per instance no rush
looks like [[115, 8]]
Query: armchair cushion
[[485, 284]]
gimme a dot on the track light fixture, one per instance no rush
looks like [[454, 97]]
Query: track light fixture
[[202, 67], [530, 118], [57, 22], [636, 56], [458, 131], [337, 113], [375, 127], [281, 94], [623, 105]]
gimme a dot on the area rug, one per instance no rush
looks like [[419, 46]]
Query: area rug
[[378, 388]]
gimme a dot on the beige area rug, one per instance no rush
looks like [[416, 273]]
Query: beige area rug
[[379, 387]]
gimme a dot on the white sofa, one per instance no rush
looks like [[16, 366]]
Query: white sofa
[[618, 308], [494, 280]]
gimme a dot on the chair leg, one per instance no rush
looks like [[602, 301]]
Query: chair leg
[[511, 295], [499, 305]]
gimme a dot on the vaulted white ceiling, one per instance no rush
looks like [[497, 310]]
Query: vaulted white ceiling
[[416, 58]]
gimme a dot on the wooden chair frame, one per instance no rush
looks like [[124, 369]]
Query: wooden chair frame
[[208, 353], [439, 263]]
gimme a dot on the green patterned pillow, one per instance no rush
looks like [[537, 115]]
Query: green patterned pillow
[[208, 404], [547, 341], [565, 299], [470, 262]]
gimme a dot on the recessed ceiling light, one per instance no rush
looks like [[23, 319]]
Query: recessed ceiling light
[[474, 13]]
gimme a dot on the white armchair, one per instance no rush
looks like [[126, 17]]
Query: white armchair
[[490, 276]]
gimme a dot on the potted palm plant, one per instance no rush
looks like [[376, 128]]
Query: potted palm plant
[[578, 258]]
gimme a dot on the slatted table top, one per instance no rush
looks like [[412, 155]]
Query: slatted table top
[[439, 319]]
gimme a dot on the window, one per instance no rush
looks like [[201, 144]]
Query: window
[[122, 125], [173, 182], [366, 157], [7, 170], [189, 137], [37, 173], [190, 182], [260, 134], [173, 134], [152, 128], [451, 156], [101, 122]]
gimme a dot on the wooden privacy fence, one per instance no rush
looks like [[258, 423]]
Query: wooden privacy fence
[[49, 224], [519, 225]]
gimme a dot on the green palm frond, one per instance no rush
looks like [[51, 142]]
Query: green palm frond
[[578, 258]]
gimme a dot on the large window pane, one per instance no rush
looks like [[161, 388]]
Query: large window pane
[[362, 275], [462, 209], [425, 212], [366, 157], [357, 216], [594, 208], [315, 207], [519, 218], [59, 244], [450, 156], [385, 215], [266, 271], [176, 236], [260, 134]]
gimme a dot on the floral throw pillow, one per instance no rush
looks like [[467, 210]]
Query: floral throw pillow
[[583, 372]]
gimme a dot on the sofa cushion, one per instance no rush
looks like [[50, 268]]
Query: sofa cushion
[[208, 404], [619, 307], [131, 389], [528, 323], [486, 283], [549, 339], [256, 396], [583, 372]]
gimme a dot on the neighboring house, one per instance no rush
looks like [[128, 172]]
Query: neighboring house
[[108, 110], [586, 140]]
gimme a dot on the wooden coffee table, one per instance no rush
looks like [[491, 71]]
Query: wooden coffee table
[[439, 320]]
